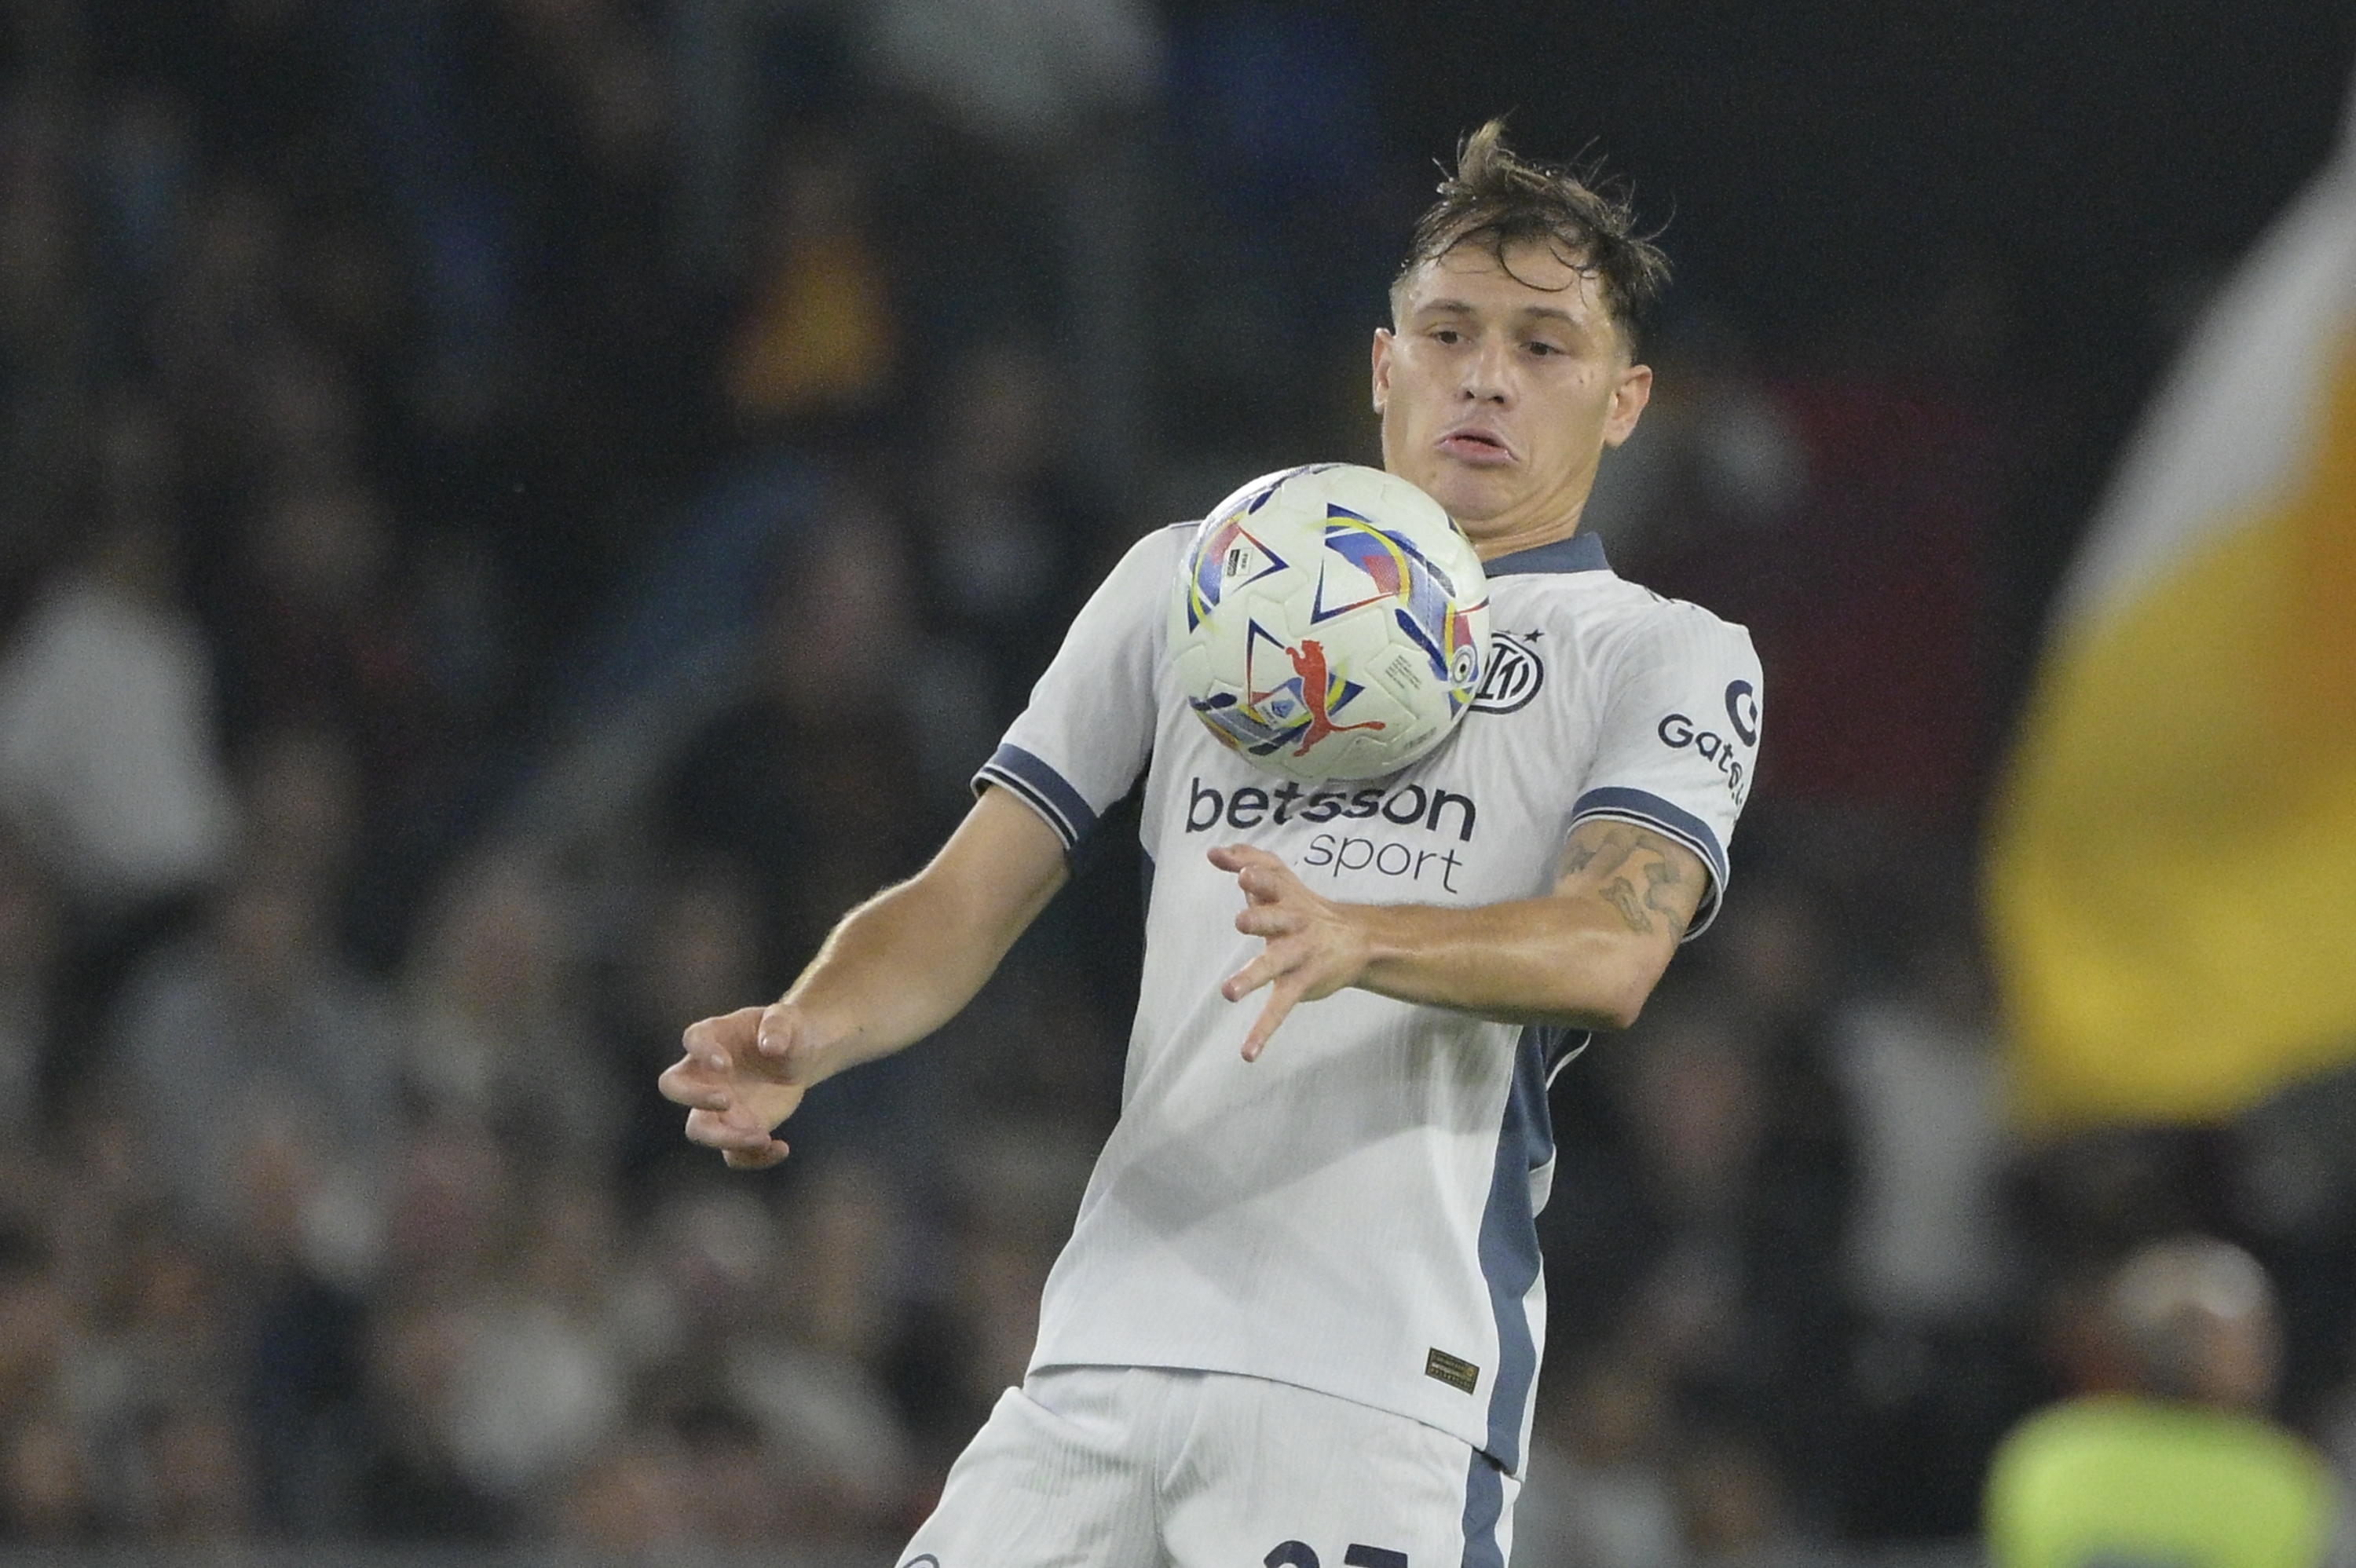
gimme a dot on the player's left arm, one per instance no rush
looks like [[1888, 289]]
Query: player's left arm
[[1585, 955]]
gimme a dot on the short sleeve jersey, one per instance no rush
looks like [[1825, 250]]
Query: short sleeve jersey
[[1354, 1212]]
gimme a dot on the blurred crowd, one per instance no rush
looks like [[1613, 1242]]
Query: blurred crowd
[[518, 512]]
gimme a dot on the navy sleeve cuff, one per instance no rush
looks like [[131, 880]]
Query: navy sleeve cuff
[[1650, 810], [1042, 788]]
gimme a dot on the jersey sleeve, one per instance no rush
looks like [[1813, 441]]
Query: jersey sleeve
[[1088, 729], [1679, 742]]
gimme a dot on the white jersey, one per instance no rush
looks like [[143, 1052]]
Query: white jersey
[[1354, 1212]]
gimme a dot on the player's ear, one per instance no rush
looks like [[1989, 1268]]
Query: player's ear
[[1628, 400], [1382, 366]]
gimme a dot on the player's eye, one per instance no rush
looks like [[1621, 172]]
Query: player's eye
[[1446, 335], [1540, 346]]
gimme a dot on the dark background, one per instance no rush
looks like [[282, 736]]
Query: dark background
[[1815, 167], [555, 497]]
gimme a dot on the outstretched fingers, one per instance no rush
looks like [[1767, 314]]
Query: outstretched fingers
[[722, 1078], [1275, 968], [1267, 919], [716, 1130], [712, 1042], [687, 1082], [1281, 1001], [1243, 859], [1267, 966], [1268, 913]]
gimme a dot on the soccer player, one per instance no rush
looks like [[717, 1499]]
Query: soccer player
[[1300, 1315]]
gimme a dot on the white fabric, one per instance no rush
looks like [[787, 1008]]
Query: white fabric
[[107, 763], [1024, 70], [1353, 1214], [1143, 1467], [1927, 1240]]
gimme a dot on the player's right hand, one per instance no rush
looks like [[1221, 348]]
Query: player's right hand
[[742, 1074]]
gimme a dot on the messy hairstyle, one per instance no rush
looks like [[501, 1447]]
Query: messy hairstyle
[[1497, 199]]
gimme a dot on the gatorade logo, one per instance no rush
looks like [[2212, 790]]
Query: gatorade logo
[[1742, 711]]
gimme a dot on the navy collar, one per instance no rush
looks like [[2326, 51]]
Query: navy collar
[[1580, 552]]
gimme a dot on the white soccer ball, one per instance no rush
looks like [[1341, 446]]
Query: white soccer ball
[[1330, 622]]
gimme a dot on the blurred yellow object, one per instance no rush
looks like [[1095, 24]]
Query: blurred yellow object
[[2171, 881], [820, 339], [2125, 1480]]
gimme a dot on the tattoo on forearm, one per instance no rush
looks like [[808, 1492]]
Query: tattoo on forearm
[[1604, 849], [1612, 847], [1660, 876], [1621, 895]]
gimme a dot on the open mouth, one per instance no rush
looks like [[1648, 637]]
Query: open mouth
[[1475, 446]]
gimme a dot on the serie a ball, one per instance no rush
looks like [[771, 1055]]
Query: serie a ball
[[1330, 622]]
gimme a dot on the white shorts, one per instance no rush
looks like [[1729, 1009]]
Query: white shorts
[[1141, 1467]]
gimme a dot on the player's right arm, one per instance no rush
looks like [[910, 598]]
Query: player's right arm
[[894, 970], [901, 965]]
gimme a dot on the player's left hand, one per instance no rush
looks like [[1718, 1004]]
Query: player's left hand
[[1314, 947]]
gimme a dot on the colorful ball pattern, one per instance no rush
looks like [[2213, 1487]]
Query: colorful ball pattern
[[1330, 622]]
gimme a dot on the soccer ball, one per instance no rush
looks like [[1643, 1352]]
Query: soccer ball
[[1330, 622]]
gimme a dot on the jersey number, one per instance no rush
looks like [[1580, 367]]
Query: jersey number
[[1300, 1554]]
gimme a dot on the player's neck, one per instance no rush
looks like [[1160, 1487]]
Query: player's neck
[[1506, 536]]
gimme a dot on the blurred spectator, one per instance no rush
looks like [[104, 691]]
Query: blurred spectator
[[807, 780], [107, 763], [304, 435], [1734, 1498], [2293, 1186], [1932, 1267], [317, 632], [498, 1012], [638, 1498], [809, 1373], [1030, 75], [1599, 1492], [697, 954], [253, 1017], [1919, 1069], [414, 1489], [1009, 548], [449, 1227], [200, 1480], [219, 327], [307, 1252], [704, 1317], [30, 946], [145, 1351], [302, 789], [1717, 463], [1712, 1250], [47, 1490], [1017, 1184], [601, 362], [2185, 1466], [540, 1379], [819, 342], [45, 325], [768, 1357]]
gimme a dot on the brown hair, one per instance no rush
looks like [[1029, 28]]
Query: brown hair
[[1497, 198]]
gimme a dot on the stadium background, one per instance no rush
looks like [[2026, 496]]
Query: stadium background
[[516, 511]]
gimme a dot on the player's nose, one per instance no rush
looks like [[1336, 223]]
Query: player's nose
[[1488, 375]]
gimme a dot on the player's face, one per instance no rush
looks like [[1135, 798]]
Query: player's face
[[1500, 389]]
